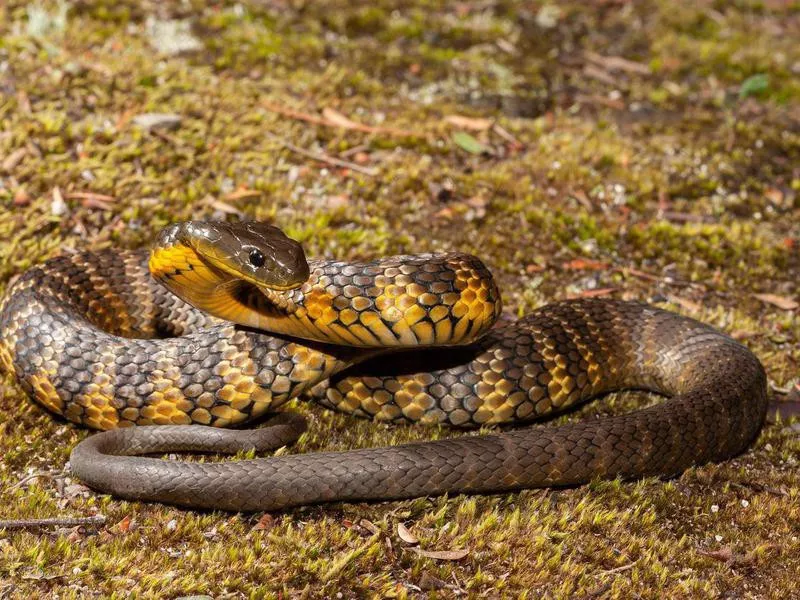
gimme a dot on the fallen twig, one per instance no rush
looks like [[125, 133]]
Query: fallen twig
[[617, 63], [338, 121], [751, 485], [89, 196], [355, 150], [56, 522], [666, 279], [330, 160], [619, 569], [25, 480]]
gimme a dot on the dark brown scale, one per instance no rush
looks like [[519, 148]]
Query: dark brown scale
[[52, 334]]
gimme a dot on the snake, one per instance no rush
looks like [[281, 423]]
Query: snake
[[219, 324]]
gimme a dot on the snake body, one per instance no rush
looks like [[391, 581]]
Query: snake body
[[97, 338]]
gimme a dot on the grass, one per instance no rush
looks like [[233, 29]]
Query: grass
[[669, 177]]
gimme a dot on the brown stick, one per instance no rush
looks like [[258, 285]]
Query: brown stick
[[57, 522], [330, 160], [31, 477], [342, 123]]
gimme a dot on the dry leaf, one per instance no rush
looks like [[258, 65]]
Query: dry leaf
[[774, 195], [75, 490], [533, 268], [442, 554], [361, 158], [406, 535], [582, 264], [75, 535], [369, 526], [242, 193], [332, 118], [21, 197], [475, 124], [597, 293], [265, 523], [581, 197], [724, 554], [640, 274], [96, 203], [125, 524], [742, 334], [781, 302], [337, 202], [225, 208], [617, 63], [339, 119], [89, 196]]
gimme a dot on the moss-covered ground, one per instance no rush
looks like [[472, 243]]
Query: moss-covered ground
[[644, 150]]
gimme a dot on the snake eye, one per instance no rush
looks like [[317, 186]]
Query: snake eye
[[256, 258]]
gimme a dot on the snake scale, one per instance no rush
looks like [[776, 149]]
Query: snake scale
[[222, 323]]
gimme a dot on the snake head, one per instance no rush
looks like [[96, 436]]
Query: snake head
[[257, 253]]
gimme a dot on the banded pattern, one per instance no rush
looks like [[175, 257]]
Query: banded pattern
[[419, 300], [95, 338], [717, 406], [76, 331], [81, 345], [542, 364]]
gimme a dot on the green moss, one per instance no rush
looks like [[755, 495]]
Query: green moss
[[685, 189]]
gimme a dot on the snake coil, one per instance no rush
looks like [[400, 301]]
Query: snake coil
[[96, 338]]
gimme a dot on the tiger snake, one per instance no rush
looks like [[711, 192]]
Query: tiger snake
[[221, 323]]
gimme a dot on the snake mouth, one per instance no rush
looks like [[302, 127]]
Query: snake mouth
[[224, 266], [242, 298], [240, 272]]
